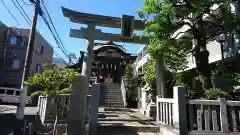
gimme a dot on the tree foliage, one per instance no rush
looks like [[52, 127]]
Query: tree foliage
[[149, 72], [51, 80], [203, 22], [149, 77], [129, 82]]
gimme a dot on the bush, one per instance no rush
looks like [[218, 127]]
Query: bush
[[213, 94]]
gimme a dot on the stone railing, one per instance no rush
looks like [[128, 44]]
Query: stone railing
[[179, 116], [78, 109], [48, 106]]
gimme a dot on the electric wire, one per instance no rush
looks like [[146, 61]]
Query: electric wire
[[26, 3], [26, 18], [9, 12], [54, 28], [21, 40], [23, 10], [56, 40]]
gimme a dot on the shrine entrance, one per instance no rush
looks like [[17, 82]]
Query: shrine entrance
[[109, 62], [105, 62]]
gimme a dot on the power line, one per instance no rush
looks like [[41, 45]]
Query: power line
[[9, 12], [48, 15], [26, 3], [55, 38], [23, 10], [23, 13], [61, 45], [44, 6]]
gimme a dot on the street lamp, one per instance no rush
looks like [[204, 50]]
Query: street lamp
[[222, 40]]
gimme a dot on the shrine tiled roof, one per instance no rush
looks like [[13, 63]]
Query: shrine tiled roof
[[97, 46]]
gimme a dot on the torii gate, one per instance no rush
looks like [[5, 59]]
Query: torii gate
[[91, 33]]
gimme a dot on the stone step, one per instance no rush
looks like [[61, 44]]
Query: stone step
[[119, 100], [106, 90], [111, 96], [127, 128], [112, 88], [111, 99], [112, 92], [113, 103]]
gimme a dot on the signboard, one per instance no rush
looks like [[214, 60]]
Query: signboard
[[127, 26]]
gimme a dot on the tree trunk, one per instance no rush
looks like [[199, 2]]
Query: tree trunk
[[202, 64]]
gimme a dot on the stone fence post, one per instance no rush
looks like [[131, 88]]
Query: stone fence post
[[77, 104], [179, 110], [223, 115], [94, 108]]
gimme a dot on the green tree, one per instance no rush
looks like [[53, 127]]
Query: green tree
[[130, 84], [163, 19], [51, 80], [149, 73], [149, 77]]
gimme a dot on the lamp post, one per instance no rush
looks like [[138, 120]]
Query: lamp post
[[222, 40]]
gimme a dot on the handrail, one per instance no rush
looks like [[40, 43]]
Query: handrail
[[123, 89]]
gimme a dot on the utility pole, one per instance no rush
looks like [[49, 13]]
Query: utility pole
[[31, 39], [26, 69]]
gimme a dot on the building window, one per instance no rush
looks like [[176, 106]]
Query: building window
[[41, 49], [13, 63], [13, 40], [38, 68]]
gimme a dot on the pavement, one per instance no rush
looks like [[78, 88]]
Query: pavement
[[8, 118], [11, 109]]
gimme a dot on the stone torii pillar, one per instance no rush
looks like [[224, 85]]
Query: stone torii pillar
[[87, 61]]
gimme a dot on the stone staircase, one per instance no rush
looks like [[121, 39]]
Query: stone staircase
[[111, 95], [115, 121]]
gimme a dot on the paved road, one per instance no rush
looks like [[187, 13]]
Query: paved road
[[11, 109]]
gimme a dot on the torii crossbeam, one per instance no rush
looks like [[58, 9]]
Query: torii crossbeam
[[100, 20]]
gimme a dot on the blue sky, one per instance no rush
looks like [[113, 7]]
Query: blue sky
[[102, 7]]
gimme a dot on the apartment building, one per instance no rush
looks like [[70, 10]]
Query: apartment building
[[142, 58], [13, 43], [230, 49]]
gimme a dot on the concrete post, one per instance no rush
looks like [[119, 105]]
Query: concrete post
[[76, 112], [22, 103], [94, 108], [179, 110], [160, 76], [223, 115], [144, 98]]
